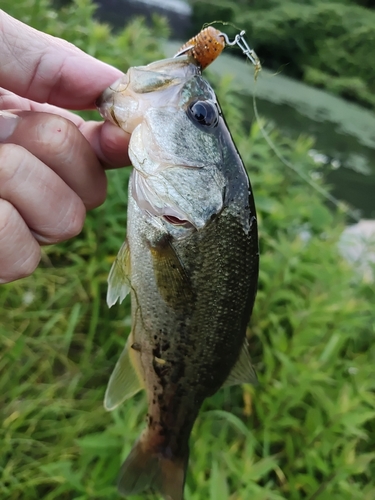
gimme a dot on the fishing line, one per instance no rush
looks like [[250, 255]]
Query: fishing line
[[224, 23], [326, 194], [251, 55]]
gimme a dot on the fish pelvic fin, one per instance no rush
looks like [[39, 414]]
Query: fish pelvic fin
[[144, 470]]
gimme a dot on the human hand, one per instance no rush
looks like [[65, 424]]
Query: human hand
[[51, 160]]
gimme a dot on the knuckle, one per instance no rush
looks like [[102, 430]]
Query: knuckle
[[65, 222], [6, 215], [18, 250], [29, 264], [9, 151], [15, 167], [11, 158], [98, 196], [74, 220], [56, 134]]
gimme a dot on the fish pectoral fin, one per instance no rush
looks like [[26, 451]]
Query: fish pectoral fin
[[171, 278], [124, 381], [243, 371], [119, 276]]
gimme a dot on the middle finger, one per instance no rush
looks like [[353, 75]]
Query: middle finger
[[50, 208], [58, 143]]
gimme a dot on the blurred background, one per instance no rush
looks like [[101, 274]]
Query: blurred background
[[308, 430], [306, 46]]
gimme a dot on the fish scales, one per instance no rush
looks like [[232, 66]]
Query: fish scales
[[190, 263], [195, 339]]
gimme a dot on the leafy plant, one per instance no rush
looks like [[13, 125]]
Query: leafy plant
[[323, 43], [307, 431]]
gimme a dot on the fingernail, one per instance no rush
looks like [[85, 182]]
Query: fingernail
[[8, 124]]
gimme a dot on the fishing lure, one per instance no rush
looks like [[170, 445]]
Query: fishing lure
[[209, 44]]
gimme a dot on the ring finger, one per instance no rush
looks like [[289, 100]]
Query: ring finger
[[49, 207]]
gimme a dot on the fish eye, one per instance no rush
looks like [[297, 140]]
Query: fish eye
[[204, 112]]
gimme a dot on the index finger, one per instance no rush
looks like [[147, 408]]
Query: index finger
[[47, 69], [109, 142]]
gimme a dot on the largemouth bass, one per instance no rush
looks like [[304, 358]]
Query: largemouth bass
[[190, 262]]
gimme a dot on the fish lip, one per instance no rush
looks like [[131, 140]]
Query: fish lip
[[106, 100], [99, 101], [103, 101]]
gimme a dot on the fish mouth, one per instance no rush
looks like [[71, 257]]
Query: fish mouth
[[105, 102], [175, 221], [102, 99]]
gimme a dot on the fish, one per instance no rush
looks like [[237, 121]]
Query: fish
[[190, 262]]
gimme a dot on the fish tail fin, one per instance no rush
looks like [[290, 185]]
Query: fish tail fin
[[144, 469]]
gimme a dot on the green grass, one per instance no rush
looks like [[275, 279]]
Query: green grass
[[307, 431]]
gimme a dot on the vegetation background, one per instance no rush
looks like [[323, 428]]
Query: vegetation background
[[325, 43], [307, 431]]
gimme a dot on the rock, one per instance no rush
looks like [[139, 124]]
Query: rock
[[357, 246]]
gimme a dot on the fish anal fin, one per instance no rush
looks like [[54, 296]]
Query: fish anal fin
[[171, 278], [143, 469], [119, 276], [126, 379], [243, 371]]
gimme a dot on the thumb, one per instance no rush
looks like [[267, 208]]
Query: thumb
[[109, 142]]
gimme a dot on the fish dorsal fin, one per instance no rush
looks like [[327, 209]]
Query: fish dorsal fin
[[243, 371], [119, 276], [124, 381]]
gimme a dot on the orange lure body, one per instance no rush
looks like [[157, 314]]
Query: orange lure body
[[205, 47]]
